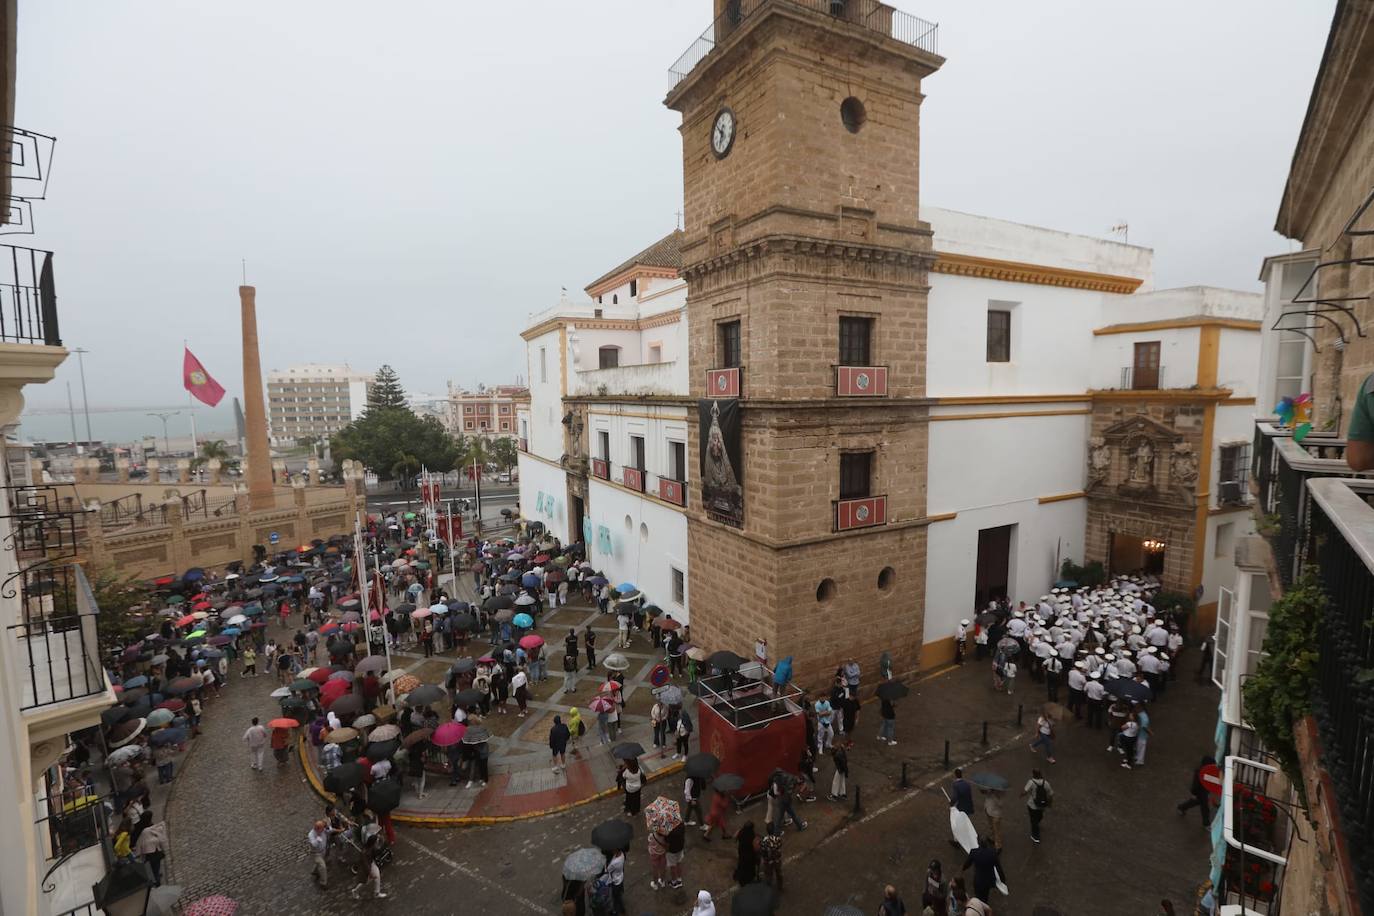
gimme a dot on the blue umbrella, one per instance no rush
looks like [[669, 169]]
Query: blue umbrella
[[168, 736], [294, 579], [523, 620], [194, 574], [253, 610], [625, 587], [133, 682], [529, 580], [230, 631], [598, 581]]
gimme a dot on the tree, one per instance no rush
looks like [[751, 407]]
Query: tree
[[211, 450], [123, 603], [504, 453], [395, 443], [385, 392], [478, 452]]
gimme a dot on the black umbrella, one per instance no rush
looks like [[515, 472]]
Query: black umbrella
[[476, 734], [985, 619], [1125, 689], [653, 610], [466, 698], [497, 603], [757, 899], [130, 697], [344, 777], [404, 608], [350, 704], [464, 664], [114, 715], [728, 782], [892, 690], [725, 660], [702, 766], [425, 694], [990, 781], [289, 703], [382, 750], [627, 750], [613, 835], [384, 795], [464, 621]]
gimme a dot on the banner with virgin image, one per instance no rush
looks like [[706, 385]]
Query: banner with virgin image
[[722, 468]]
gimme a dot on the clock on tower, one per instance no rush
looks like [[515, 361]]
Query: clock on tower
[[806, 263]]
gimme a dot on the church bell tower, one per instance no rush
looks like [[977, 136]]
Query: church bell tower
[[806, 264]]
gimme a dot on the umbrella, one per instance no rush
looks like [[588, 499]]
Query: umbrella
[[662, 815], [283, 692], [139, 681], [365, 721], [283, 723], [160, 717], [236, 619], [505, 615], [214, 905], [464, 621], [301, 685], [523, 620], [403, 683], [404, 608], [757, 899], [186, 621], [382, 750], [466, 698], [1124, 689], [416, 737], [531, 641], [158, 659], [290, 703], [498, 603], [477, 735], [318, 675], [424, 695], [130, 697], [702, 765], [529, 580], [625, 588], [348, 704], [169, 736], [384, 796], [125, 732], [1008, 646], [385, 732], [670, 695], [728, 782], [342, 735], [985, 619], [345, 676], [448, 734], [696, 653], [344, 777], [990, 781], [612, 835], [173, 705], [114, 715], [421, 613], [892, 690], [601, 704], [463, 665], [124, 754], [584, 864], [221, 640], [627, 750], [616, 662], [725, 660]]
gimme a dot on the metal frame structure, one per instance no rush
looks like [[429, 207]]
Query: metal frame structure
[[1323, 307]]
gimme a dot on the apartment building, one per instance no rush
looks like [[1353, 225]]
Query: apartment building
[[313, 400]]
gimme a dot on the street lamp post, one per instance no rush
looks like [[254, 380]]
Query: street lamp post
[[164, 417]]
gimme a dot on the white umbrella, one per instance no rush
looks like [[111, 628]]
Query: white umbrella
[[525, 599], [124, 754]]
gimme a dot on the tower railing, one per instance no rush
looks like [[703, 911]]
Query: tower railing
[[872, 15]]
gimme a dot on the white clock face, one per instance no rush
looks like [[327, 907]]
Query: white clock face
[[723, 133]]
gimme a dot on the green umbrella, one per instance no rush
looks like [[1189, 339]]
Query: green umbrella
[[175, 599], [422, 564], [195, 634], [304, 685], [408, 516]]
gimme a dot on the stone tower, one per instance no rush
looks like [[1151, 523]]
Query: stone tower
[[806, 266]]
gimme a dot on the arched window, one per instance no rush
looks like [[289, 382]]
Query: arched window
[[608, 357]]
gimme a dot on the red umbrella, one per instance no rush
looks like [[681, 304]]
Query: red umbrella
[[448, 734], [163, 581], [328, 628], [542, 558], [201, 606], [331, 692], [174, 705], [531, 641], [283, 723], [375, 616], [601, 704], [320, 675], [187, 620]]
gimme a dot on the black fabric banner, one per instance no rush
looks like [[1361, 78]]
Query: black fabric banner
[[722, 468]]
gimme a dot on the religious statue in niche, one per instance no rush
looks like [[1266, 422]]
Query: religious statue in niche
[[1099, 459], [1184, 466], [1142, 463]]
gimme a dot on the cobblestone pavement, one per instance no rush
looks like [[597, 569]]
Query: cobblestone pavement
[[1113, 843]]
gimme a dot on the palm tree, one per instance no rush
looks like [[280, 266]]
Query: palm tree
[[211, 450], [405, 468], [479, 451]]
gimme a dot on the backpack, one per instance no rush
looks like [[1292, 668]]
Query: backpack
[[1041, 796], [600, 897]]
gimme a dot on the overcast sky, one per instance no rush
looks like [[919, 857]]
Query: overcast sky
[[409, 180]]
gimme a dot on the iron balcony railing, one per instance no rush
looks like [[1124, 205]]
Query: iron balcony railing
[[58, 649], [1282, 468], [28, 299], [1341, 544], [870, 14], [1142, 378]]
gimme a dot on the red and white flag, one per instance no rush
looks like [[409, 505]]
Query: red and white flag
[[199, 382]]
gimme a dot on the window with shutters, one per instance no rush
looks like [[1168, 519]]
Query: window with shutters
[[999, 336], [856, 341], [728, 356]]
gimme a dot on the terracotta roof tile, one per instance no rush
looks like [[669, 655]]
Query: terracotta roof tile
[[666, 252]]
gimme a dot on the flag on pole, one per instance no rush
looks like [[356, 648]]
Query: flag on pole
[[199, 382]]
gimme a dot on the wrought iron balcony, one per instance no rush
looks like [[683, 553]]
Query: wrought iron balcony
[[28, 299], [869, 14], [1142, 378], [1258, 830], [1341, 545], [57, 646]]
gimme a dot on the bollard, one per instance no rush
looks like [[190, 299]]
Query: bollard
[[858, 803], [904, 784], [985, 731], [1019, 709], [946, 753]]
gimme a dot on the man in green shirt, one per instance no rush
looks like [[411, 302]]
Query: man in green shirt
[[1359, 451]]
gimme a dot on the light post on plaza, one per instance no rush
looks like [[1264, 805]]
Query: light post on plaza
[[164, 417]]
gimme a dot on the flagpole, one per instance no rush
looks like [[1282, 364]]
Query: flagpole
[[191, 409], [364, 595]]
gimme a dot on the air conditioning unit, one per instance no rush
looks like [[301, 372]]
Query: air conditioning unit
[[1231, 492]]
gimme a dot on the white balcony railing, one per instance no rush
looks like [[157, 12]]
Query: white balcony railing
[[641, 379]]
